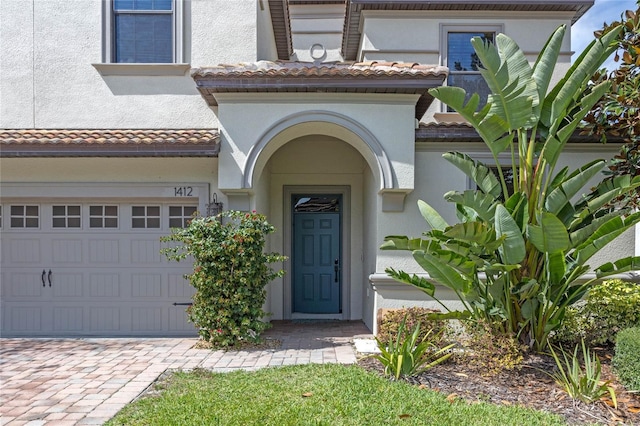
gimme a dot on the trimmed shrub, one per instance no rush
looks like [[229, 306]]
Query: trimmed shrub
[[389, 327], [489, 349], [609, 307], [626, 360], [230, 273]]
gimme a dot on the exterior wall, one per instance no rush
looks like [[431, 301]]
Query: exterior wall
[[105, 170], [316, 24], [52, 84], [418, 36], [387, 118], [434, 177], [266, 42]]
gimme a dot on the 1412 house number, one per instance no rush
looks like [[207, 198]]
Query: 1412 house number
[[183, 191]]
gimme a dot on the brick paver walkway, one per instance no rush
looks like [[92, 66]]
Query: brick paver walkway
[[87, 381]]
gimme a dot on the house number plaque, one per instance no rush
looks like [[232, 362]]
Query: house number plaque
[[185, 191]]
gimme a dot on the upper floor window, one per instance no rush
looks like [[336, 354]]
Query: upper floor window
[[143, 31], [462, 61]]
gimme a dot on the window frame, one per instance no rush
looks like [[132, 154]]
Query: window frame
[[184, 219], [104, 216], [445, 29], [66, 216], [24, 216], [108, 34]]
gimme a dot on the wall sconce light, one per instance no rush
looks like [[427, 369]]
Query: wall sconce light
[[214, 208]]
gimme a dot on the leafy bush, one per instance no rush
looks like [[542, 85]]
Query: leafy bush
[[408, 356], [230, 272], [609, 307], [582, 384], [389, 326], [626, 360], [490, 349]]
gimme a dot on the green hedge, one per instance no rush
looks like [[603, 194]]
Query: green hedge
[[389, 324], [626, 360], [609, 307]]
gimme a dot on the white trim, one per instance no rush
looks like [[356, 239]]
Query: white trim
[[378, 161], [178, 29], [141, 69]]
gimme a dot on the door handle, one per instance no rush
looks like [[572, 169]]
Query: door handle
[[43, 274], [48, 277], [336, 268]]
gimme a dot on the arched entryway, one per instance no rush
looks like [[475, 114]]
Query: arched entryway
[[329, 259]]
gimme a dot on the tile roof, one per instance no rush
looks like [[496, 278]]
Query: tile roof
[[109, 142], [292, 69], [334, 77]]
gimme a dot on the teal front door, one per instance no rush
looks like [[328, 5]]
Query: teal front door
[[316, 254]]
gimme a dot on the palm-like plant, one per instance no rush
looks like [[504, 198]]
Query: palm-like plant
[[516, 256]]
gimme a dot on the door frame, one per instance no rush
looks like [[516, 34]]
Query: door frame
[[345, 217]]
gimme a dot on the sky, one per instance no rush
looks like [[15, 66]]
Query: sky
[[602, 11]]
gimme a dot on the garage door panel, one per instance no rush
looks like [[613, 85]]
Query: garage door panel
[[67, 251], [147, 319], [104, 319], [67, 284], [26, 319], [178, 319], [24, 251], [68, 319], [24, 284], [103, 251], [104, 285], [145, 252], [146, 286], [180, 288]]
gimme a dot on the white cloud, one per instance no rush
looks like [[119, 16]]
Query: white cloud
[[602, 11]]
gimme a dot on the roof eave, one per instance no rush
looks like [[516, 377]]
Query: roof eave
[[209, 86]]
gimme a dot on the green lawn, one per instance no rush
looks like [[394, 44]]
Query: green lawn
[[310, 395]]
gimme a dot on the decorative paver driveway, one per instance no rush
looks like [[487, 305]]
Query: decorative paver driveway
[[87, 381]]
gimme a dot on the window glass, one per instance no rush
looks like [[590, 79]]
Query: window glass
[[25, 216], [179, 216], [143, 31], [309, 204], [464, 64], [66, 217], [103, 216], [145, 216]]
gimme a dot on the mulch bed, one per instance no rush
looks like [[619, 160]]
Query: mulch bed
[[527, 387]]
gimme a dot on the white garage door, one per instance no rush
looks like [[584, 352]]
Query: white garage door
[[92, 268]]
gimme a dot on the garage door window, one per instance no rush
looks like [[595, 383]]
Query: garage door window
[[66, 217], [179, 216], [25, 216], [145, 217], [103, 216]]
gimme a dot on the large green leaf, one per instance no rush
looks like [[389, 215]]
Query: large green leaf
[[550, 235], [580, 235], [483, 204], [556, 267], [509, 76], [490, 128], [471, 233], [575, 182], [631, 263], [546, 63], [414, 280], [442, 273], [513, 246], [478, 172], [400, 242], [557, 101], [606, 233], [432, 217]]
